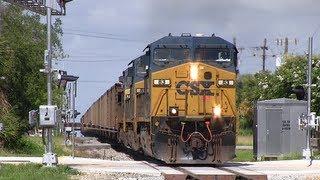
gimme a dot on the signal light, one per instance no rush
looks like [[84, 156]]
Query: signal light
[[222, 82], [217, 111], [162, 82], [300, 92]]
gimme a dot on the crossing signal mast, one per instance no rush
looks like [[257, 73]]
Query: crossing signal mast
[[58, 7], [47, 112]]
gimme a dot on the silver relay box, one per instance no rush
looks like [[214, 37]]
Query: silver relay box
[[48, 115]]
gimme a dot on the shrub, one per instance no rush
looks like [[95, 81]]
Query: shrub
[[11, 132]]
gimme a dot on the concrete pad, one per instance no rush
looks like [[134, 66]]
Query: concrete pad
[[204, 173], [246, 173], [287, 169], [169, 172]]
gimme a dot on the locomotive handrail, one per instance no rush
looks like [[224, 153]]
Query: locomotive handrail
[[160, 100], [234, 113], [195, 132]]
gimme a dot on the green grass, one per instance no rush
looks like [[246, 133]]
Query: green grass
[[316, 155], [35, 172], [245, 132], [244, 155], [33, 146], [291, 156], [244, 140]]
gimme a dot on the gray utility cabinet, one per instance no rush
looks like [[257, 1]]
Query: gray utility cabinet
[[276, 127]]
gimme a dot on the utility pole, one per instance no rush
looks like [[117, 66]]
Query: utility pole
[[73, 115], [285, 42], [286, 46], [264, 55]]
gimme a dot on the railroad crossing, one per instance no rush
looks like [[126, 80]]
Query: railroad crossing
[[296, 169]]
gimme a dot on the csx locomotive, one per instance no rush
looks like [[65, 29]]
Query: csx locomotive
[[175, 103]]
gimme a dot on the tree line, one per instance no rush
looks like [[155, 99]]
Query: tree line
[[278, 84]]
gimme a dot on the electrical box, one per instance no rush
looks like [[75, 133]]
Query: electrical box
[[33, 115], [276, 128], [58, 116], [314, 120], [68, 129], [48, 115]]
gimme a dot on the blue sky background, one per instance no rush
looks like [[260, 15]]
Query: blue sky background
[[123, 28]]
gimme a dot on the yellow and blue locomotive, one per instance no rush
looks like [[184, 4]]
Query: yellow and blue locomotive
[[175, 103]]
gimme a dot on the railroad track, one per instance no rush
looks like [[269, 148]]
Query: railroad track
[[228, 172]]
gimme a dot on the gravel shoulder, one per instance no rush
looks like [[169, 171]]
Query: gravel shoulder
[[109, 154]]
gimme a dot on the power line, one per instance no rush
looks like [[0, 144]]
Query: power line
[[88, 56], [104, 37], [95, 81], [92, 32], [94, 61], [285, 43]]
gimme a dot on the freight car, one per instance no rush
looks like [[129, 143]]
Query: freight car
[[175, 103]]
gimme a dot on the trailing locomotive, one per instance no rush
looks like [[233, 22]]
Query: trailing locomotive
[[175, 103]]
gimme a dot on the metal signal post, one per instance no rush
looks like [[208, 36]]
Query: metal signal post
[[49, 157], [310, 120], [307, 151]]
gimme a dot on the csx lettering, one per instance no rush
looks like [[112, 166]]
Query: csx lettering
[[194, 87]]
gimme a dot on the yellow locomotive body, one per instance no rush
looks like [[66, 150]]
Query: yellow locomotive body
[[177, 102]]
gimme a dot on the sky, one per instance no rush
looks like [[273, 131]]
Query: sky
[[101, 37]]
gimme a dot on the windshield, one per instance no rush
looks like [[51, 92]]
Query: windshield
[[217, 55], [166, 56]]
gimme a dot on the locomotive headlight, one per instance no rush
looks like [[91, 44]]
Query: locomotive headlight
[[161, 82], [194, 71], [217, 111], [173, 111]]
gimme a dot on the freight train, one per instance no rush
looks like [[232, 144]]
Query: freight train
[[175, 103]]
